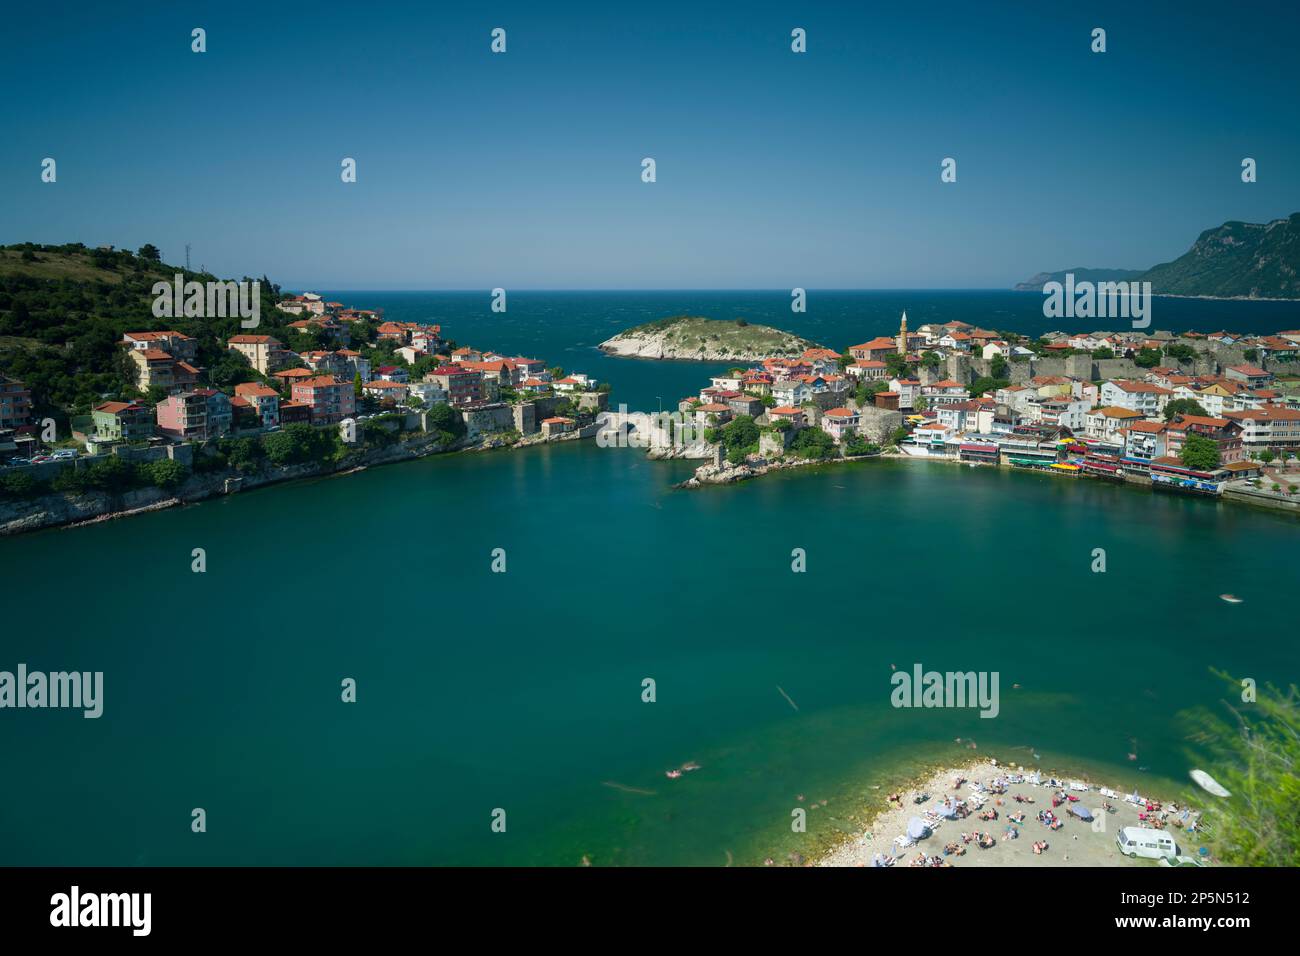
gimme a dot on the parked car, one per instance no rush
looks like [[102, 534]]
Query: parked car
[[18, 461], [1145, 842], [40, 459], [63, 454]]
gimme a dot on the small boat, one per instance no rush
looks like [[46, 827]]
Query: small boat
[[672, 774], [1209, 784], [1230, 598]]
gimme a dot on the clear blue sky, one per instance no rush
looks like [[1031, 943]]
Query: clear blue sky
[[523, 170]]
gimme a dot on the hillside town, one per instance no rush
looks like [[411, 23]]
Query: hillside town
[[1211, 414], [325, 374], [1204, 413]]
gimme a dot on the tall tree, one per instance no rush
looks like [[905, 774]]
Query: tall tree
[[1183, 406], [1200, 453]]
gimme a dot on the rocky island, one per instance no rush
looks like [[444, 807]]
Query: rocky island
[[705, 340]]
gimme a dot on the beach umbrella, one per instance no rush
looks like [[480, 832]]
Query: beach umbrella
[[947, 810], [1083, 813], [917, 828]]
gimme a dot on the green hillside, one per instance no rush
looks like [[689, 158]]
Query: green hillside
[[63, 310], [690, 336], [1254, 260]]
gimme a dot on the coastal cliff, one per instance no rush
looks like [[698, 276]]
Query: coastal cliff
[[705, 340], [1237, 260]]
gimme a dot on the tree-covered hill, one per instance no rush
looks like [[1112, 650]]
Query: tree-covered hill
[[1247, 259], [1244, 260], [64, 309]]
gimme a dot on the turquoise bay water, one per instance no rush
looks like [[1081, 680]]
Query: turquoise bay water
[[522, 690]]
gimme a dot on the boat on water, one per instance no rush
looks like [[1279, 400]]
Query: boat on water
[[1230, 598], [1209, 784]]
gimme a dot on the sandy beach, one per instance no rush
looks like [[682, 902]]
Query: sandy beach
[[1075, 843]]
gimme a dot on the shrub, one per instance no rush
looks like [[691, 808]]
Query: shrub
[[443, 418], [20, 484], [812, 443], [858, 445], [164, 473], [299, 443], [244, 454]]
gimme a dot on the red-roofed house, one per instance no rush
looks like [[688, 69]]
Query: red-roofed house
[[263, 352], [839, 422], [1272, 428], [122, 421], [462, 385], [1222, 431], [330, 399], [262, 399], [1251, 375], [557, 426], [388, 393], [874, 351]]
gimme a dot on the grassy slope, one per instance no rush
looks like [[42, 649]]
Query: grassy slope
[[690, 333], [66, 348], [61, 265]]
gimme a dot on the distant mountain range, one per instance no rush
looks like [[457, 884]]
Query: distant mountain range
[[1238, 260], [1036, 283]]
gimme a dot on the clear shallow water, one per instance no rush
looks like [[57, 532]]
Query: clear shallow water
[[522, 690]]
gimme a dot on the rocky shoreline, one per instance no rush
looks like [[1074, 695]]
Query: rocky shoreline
[[681, 340], [66, 510], [726, 473]]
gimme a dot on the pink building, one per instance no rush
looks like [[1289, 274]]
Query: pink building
[[184, 416], [330, 399]]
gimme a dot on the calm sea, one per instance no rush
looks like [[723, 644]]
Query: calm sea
[[522, 691]]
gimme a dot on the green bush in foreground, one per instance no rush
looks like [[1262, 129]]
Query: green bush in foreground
[[164, 473], [299, 443], [812, 443], [858, 445], [1255, 754], [21, 484]]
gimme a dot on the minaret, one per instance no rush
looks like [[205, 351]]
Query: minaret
[[902, 335]]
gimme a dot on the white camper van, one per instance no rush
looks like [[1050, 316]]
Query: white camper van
[[1145, 842]]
